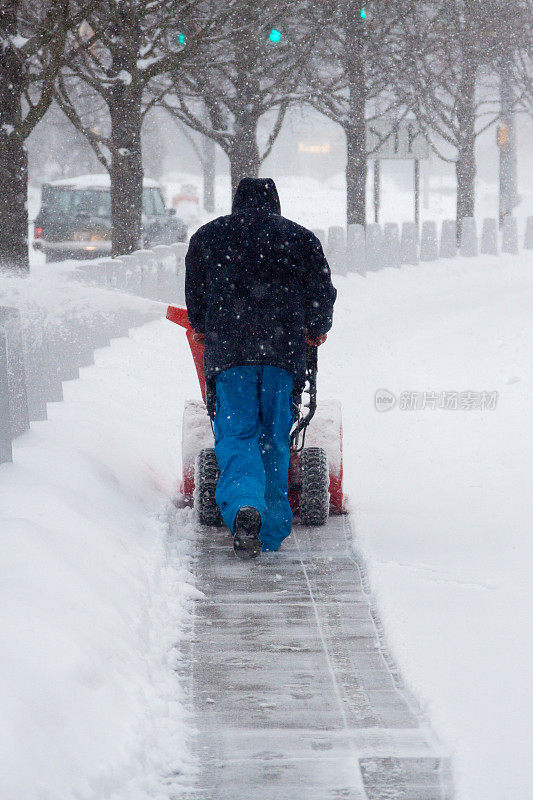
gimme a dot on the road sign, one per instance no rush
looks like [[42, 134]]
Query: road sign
[[396, 140], [387, 139]]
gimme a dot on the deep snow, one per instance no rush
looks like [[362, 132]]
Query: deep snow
[[95, 589], [94, 586], [442, 499]]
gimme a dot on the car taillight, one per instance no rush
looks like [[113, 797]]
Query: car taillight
[[38, 233]]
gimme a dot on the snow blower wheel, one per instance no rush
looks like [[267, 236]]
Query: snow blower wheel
[[206, 478], [314, 494]]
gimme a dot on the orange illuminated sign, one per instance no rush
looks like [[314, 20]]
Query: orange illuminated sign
[[304, 147], [503, 136]]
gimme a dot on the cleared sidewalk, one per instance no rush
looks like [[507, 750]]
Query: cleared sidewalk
[[294, 693]]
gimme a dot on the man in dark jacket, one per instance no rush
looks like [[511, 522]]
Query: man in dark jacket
[[257, 287]]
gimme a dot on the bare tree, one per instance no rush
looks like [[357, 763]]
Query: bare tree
[[57, 150], [120, 58], [448, 57], [514, 59], [252, 75], [523, 72], [349, 80], [33, 36]]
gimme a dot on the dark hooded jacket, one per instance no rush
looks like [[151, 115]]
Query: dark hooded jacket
[[254, 282]]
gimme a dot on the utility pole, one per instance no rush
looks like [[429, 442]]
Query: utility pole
[[208, 155], [507, 139], [209, 170], [426, 183], [377, 188], [416, 178]]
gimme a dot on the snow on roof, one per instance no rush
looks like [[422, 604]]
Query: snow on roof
[[96, 181]]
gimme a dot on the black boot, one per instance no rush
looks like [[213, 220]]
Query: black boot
[[246, 542]]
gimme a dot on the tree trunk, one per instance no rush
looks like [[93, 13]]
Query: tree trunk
[[244, 153], [465, 169], [13, 157], [126, 169], [355, 129], [508, 164], [356, 172], [13, 202], [466, 146]]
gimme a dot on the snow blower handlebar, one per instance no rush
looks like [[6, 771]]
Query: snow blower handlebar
[[303, 420]]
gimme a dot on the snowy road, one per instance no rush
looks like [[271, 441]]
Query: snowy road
[[292, 688]]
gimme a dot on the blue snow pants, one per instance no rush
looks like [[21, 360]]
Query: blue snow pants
[[252, 428]]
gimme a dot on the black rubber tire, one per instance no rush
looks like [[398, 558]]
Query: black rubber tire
[[205, 481], [314, 494]]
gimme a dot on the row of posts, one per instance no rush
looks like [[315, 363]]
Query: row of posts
[[157, 274], [363, 250], [40, 348]]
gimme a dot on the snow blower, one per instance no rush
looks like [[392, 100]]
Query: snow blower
[[315, 469]]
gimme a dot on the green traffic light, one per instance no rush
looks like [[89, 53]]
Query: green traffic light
[[181, 38], [363, 13], [274, 36]]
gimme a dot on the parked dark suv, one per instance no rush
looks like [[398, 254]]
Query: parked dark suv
[[75, 218]]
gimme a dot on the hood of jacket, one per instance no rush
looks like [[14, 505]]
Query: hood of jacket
[[256, 194]]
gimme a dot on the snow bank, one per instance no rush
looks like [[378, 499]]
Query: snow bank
[[57, 292], [94, 592], [442, 498]]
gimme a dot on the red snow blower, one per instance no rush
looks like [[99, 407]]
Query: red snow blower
[[315, 470]]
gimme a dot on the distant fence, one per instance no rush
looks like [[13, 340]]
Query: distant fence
[[157, 274], [49, 328], [359, 250]]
